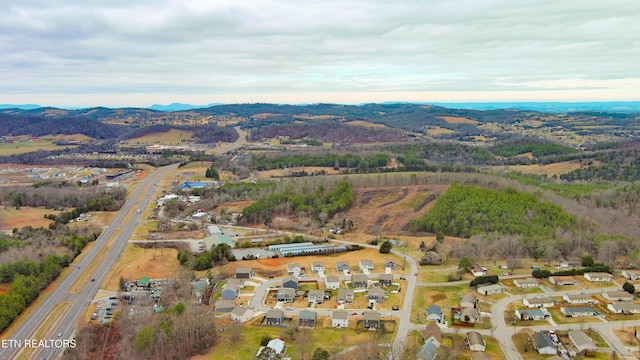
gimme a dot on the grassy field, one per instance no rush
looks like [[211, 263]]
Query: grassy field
[[445, 296], [24, 146], [297, 342], [11, 218], [171, 137], [137, 262]]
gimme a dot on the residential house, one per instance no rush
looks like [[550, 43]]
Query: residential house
[[598, 276], [342, 266], [274, 317], [491, 289], [375, 295], [432, 333], [293, 269], [532, 314], [468, 301], [582, 341], [543, 343], [428, 351], [317, 267], [618, 296], [624, 307], [477, 270], [385, 280], [479, 356], [277, 345], [242, 314], [223, 305], [538, 302], [632, 275], [431, 258], [474, 341], [570, 264], [315, 296], [244, 273], [230, 292], [577, 311], [332, 282], [307, 318], [562, 280], [286, 295], [434, 312], [345, 296], [340, 319], [578, 299], [526, 283], [290, 282], [390, 264], [359, 281], [372, 320], [366, 265], [470, 315]]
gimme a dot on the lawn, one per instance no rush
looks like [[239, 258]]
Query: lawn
[[297, 342], [21, 147], [171, 137], [136, 262], [445, 296]]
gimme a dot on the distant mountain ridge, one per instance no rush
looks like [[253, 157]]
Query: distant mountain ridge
[[543, 106], [179, 107]]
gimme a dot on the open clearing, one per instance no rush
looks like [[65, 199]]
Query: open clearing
[[171, 137], [457, 120], [137, 262], [11, 218], [23, 145]]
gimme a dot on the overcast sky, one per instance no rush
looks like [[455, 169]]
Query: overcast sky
[[140, 52]]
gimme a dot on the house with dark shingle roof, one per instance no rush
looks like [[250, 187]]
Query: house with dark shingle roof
[[274, 317], [385, 279], [359, 281], [371, 320], [307, 318]]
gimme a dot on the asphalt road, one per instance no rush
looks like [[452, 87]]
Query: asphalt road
[[76, 303]]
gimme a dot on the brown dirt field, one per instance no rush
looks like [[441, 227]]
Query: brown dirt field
[[391, 208], [102, 218], [365, 124], [457, 120], [548, 169], [173, 136], [11, 218], [236, 206], [436, 130], [4, 288], [137, 262]]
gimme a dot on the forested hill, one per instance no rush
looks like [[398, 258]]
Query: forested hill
[[467, 210]]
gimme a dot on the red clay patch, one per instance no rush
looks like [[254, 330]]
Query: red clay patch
[[272, 262]]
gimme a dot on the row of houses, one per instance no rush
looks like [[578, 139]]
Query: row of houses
[[309, 318], [547, 343]]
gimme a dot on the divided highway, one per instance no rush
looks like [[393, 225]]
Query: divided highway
[[74, 304]]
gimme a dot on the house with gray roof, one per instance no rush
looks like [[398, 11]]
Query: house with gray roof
[[577, 311], [274, 317], [542, 343], [340, 319], [223, 305], [317, 267], [315, 296], [526, 283], [290, 282], [372, 320], [342, 266], [244, 273], [332, 282], [375, 295], [468, 300], [434, 312], [293, 269], [359, 281], [624, 307], [532, 314], [632, 275], [242, 314], [229, 292], [581, 341], [307, 318], [345, 296], [385, 279], [286, 295], [366, 265], [618, 296], [428, 351], [598, 276], [578, 299], [538, 302], [470, 315], [474, 341]]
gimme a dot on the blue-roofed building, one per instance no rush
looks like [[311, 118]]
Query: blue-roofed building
[[305, 248], [190, 185], [428, 351]]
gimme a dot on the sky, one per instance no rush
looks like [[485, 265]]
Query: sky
[[140, 52]]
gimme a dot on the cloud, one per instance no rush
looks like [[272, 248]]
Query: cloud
[[207, 50]]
